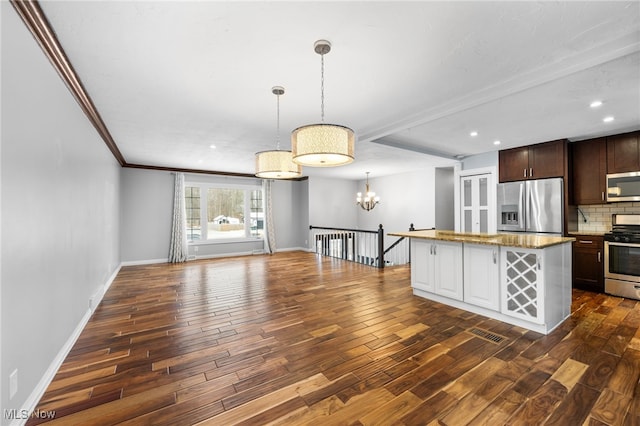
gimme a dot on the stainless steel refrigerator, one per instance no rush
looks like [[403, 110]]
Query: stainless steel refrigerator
[[533, 206]]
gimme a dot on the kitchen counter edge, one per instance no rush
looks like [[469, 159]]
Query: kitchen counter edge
[[530, 241]]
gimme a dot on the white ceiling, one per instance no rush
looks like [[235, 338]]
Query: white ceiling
[[411, 78]]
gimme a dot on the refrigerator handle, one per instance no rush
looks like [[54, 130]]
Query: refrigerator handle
[[521, 205]]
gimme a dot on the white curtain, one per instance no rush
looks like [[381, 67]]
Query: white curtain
[[178, 249], [269, 235]]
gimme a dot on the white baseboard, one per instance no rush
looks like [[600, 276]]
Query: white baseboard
[[144, 262], [31, 403], [216, 256], [294, 249]]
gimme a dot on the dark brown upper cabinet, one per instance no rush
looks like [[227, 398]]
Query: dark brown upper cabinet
[[623, 153], [543, 160], [589, 171]]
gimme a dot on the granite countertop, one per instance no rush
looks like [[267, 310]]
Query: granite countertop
[[509, 240]]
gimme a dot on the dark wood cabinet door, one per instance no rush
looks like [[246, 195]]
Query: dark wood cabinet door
[[546, 160], [623, 153], [589, 171], [588, 266], [513, 164]]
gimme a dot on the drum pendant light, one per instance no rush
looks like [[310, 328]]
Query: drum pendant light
[[322, 145], [277, 164]]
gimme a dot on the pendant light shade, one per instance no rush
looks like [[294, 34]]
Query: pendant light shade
[[322, 145], [277, 164]]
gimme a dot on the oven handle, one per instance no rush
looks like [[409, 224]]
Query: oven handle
[[612, 243]]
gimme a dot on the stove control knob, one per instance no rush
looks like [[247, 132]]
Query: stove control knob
[[616, 238], [626, 239]]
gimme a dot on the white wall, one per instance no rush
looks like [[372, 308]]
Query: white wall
[[290, 210], [332, 202], [147, 203], [404, 199], [60, 215], [479, 161], [444, 198]]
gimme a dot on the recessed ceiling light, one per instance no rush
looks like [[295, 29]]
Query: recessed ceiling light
[[608, 119], [496, 142], [212, 146], [474, 133], [595, 104]]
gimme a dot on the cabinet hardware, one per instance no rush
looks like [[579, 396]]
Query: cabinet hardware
[[494, 257], [531, 172], [525, 173], [539, 263], [599, 257], [603, 196], [435, 252], [431, 249], [585, 242]]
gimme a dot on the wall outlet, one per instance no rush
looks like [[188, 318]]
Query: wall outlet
[[13, 383]]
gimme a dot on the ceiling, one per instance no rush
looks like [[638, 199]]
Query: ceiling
[[413, 79]]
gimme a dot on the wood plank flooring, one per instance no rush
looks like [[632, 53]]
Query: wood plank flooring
[[296, 339]]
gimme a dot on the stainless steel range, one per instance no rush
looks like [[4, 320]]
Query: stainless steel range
[[622, 257]]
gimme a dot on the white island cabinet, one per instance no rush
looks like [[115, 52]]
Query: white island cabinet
[[523, 280], [481, 273], [437, 267]]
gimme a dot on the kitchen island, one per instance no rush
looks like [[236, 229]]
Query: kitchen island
[[521, 279]]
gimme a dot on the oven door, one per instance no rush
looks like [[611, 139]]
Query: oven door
[[622, 261]]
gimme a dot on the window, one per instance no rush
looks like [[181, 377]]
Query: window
[[192, 204], [229, 213]]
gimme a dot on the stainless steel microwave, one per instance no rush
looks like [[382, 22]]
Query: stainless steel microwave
[[623, 187]]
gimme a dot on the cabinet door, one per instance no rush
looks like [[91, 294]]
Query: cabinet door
[[623, 153], [589, 171], [476, 206], [448, 269], [588, 266], [481, 276], [546, 160], [422, 265], [522, 288], [513, 164]]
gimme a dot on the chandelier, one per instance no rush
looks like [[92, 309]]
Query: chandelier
[[322, 145], [277, 164], [370, 199]]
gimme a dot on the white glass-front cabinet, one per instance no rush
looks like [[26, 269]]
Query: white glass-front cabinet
[[436, 267], [482, 275], [476, 206]]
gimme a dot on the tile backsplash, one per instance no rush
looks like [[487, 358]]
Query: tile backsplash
[[599, 215]]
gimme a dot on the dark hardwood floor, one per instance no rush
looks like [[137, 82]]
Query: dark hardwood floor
[[295, 339]]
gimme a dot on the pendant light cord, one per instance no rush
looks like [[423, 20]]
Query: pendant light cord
[[322, 87], [278, 122]]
